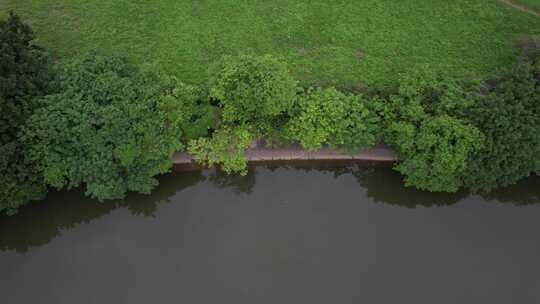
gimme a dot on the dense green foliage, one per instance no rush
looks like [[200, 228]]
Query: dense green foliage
[[197, 115], [24, 76], [226, 148], [509, 117], [327, 117], [253, 90], [433, 145], [435, 155], [346, 43], [107, 128]]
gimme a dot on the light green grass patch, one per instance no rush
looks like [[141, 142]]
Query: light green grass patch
[[347, 43]]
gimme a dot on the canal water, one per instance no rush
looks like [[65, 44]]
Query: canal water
[[278, 235]]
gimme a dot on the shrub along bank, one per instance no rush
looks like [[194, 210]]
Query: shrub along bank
[[99, 122], [25, 74]]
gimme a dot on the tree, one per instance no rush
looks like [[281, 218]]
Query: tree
[[109, 128], [435, 156], [432, 142], [329, 117], [509, 117], [198, 115], [25, 74], [253, 90], [226, 148]]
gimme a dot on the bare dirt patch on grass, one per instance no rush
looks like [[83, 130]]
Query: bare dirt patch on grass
[[520, 7]]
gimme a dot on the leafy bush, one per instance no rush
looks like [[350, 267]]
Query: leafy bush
[[226, 148], [25, 74], [509, 116], [435, 155], [253, 90], [329, 117], [434, 94], [198, 115], [108, 128], [433, 144]]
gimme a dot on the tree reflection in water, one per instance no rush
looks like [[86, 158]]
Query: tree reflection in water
[[384, 185], [38, 223], [237, 183]]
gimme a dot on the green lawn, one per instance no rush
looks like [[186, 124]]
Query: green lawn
[[347, 43]]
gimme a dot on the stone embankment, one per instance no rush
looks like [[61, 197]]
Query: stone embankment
[[259, 154]]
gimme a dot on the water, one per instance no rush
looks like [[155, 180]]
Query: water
[[280, 235]]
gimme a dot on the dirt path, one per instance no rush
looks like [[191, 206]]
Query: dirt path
[[515, 4]]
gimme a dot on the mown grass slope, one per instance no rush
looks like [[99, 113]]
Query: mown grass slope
[[347, 43]]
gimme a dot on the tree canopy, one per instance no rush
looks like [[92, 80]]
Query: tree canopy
[[253, 90], [435, 155], [329, 117], [25, 74], [108, 128], [509, 117], [197, 115], [433, 144], [225, 148]]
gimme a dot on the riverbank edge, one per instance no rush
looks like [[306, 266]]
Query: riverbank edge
[[380, 154]]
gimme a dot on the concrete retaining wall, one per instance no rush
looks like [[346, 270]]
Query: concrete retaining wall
[[257, 154]]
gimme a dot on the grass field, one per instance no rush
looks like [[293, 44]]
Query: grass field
[[347, 43]]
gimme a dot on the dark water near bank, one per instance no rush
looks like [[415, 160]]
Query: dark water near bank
[[277, 236]]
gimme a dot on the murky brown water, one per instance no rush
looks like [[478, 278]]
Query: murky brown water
[[281, 235]]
